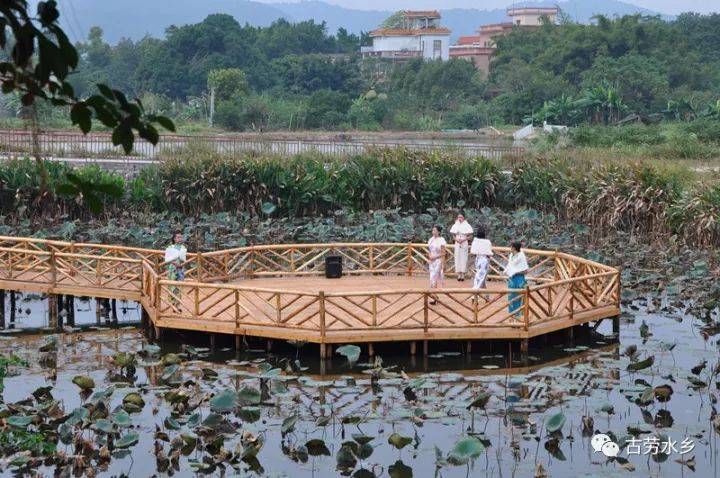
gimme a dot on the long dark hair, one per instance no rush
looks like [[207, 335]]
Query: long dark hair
[[175, 233], [517, 245]]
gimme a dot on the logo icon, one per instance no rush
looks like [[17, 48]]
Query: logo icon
[[602, 443]]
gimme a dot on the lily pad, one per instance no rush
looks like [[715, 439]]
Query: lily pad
[[84, 382], [224, 401], [555, 422], [128, 440], [350, 352], [465, 450], [249, 396], [399, 441]]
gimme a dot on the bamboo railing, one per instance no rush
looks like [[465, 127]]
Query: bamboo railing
[[562, 289]]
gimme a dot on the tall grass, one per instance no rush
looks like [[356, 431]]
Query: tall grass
[[637, 197]]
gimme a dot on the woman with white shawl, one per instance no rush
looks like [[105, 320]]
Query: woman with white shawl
[[482, 248], [463, 233], [516, 268], [175, 257]]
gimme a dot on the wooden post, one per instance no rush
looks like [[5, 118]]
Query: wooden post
[[426, 312], [323, 352], [196, 298], [269, 345], [526, 309], [199, 267], [2, 308], [509, 354], [413, 348], [409, 259], [70, 308], [371, 350], [238, 343], [425, 348], [278, 306], [374, 310], [13, 309], [212, 342], [524, 346], [468, 347], [144, 318], [98, 310], [570, 338], [113, 309], [616, 325], [53, 322], [321, 300]]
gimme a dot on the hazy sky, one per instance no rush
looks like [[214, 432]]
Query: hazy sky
[[663, 6]]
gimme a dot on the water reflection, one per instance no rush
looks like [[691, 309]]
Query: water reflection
[[24, 311], [431, 404]]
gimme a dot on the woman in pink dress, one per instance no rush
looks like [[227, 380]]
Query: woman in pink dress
[[436, 260]]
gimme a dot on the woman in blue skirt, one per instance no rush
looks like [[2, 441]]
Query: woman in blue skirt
[[516, 268]]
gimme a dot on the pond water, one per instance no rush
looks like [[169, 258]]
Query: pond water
[[423, 401]]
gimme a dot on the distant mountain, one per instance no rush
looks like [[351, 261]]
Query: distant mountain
[[138, 18]]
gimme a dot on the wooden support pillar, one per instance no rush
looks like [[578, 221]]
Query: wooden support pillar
[[212, 342], [113, 309], [524, 346], [53, 321], [269, 346], [98, 311], [238, 343], [61, 313], [570, 335], [158, 334], [2, 308], [323, 352], [468, 347], [13, 309], [509, 357], [70, 308], [616, 325], [425, 348], [413, 348], [144, 318], [371, 350]]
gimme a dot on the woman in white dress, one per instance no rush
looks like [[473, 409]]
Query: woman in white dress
[[436, 260], [482, 248], [463, 233], [175, 257]]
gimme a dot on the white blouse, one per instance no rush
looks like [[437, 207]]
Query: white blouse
[[175, 253], [517, 264], [461, 229]]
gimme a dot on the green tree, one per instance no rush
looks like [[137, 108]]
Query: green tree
[[40, 62]]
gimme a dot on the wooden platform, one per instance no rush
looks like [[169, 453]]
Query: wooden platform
[[280, 292]]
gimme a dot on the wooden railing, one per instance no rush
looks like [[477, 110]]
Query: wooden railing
[[377, 258], [561, 287]]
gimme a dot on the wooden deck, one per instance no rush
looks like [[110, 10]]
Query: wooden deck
[[280, 292]]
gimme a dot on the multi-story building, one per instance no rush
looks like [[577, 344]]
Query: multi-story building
[[410, 34], [480, 48]]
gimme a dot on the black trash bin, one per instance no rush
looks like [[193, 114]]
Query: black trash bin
[[333, 267]]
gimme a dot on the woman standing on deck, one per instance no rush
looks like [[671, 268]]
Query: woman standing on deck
[[175, 257], [462, 232], [482, 248], [516, 268], [436, 260]]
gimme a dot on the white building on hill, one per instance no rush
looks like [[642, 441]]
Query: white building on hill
[[410, 34]]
